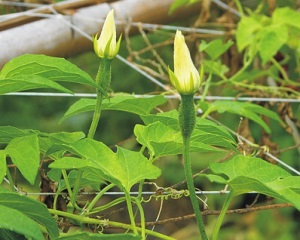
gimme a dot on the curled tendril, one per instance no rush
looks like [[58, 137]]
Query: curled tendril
[[166, 193]]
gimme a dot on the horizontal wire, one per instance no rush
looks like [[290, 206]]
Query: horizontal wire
[[92, 95], [146, 193]]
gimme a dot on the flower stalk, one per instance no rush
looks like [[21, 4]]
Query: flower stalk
[[187, 80]]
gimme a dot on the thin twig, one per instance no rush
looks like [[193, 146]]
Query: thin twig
[[217, 212]]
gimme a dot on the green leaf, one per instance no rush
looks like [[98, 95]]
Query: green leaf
[[91, 176], [30, 209], [26, 82], [247, 30], [272, 39], [245, 174], [215, 67], [93, 236], [131, 167], [52, 68], [2, 165], [162, 140], [16, 221], [8, 133], [126, 103], [248, 110], [205, 135], [124, 168], [66, 137], [25, 154], [215, 48], [286, 16]]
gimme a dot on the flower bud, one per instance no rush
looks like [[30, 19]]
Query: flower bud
[[185, 78], [107, 46]]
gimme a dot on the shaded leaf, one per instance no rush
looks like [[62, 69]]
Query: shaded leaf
[[8, 133], [27, 82], [126, 103], [30, 208], [25, 154], [16, 221], [2, 165]]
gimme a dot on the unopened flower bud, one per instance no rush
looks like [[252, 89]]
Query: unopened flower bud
[[185, 78], [106, 45]]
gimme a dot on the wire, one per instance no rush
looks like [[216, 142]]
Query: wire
[[209, 98]]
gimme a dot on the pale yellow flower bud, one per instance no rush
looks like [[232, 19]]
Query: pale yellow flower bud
[[107, 46], [185, 78]]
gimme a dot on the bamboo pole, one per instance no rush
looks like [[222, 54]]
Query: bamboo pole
[[54, 36]]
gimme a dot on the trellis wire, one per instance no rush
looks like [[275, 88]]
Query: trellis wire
[[209, 98], [155, 81]]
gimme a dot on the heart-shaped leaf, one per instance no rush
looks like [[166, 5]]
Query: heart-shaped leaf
[[124, 168], [245, 174]]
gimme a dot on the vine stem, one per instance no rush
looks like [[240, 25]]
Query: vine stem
[[105, 222], [99, 195], [222, 215], [130, 212], [103, 79], [187, 120]]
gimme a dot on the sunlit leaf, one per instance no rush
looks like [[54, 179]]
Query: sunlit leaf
[[25, 154], [271, 40], [215, 67], [245, 109], [52, 68], [162, 140], [124, 168], [286, 16], [245, 174], [247, 30], [215, 48]]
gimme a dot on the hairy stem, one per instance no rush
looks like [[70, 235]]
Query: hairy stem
[[187, 120], [103, 80]]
